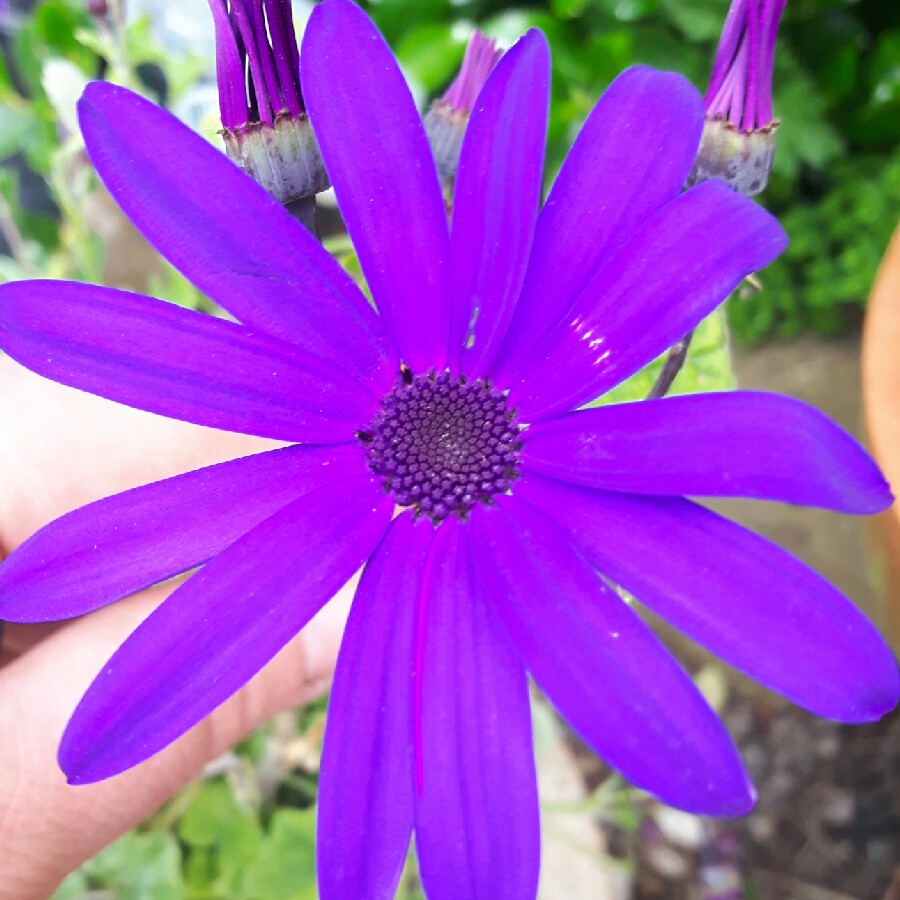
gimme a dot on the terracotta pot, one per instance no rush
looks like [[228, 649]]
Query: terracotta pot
[[881, 398]]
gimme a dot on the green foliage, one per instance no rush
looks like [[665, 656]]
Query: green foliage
[[140, 866], [707, 367], [55, 52], [837, 92], [285, 864], [216, 849], [836, 244]]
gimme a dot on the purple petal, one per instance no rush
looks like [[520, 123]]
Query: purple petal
[[602, 667], [374, 146], [477, 817], [279, 17], [366, 782], [109, 549], [221, 627], [229, 68], [742, 444], [496, 198], [227, 235], [729, 40], [251, 24], [749, 602], [176, 362], [633, 154], [688, 257]]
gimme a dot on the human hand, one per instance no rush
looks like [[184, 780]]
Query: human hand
[[59, 449]]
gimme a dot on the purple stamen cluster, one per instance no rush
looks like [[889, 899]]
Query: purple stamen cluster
[[443, 444]]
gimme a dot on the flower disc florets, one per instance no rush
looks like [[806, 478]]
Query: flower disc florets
[[443, 444]]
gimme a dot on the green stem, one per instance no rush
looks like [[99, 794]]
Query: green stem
[[17, 247]]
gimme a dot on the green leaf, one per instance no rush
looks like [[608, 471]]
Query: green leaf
[[285, 866], [431, 55], [608, 53], [74, 887], [877, 120], [395, 17], [238, 847], [56, 23], [544, 725], [223, 839], [805, 135], [658, 47], [29, 54], [181, 70], [139, 867], [171, 285], [630, 10], [707, 367], [885, 68], [17, 127], [568, 9], [200, 873], [618, 803], [209, 816], [698, 20]]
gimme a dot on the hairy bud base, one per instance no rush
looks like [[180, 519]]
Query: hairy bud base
[[742, 159], [283, 158]]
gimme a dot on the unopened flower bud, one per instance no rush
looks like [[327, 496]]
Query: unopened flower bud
[[97, 8], [264, 123], [445, 122], [738, 144]]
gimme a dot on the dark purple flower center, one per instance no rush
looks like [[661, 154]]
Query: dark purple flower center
[[443, 444]]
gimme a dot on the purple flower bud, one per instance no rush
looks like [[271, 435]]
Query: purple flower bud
[[738, 143], [264, 123], [97, 8], [445, 122]]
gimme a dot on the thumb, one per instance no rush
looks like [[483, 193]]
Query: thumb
[[47, 827]]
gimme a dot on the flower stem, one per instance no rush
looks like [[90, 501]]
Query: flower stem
[[16, 243], [672, 366], [304, 211]]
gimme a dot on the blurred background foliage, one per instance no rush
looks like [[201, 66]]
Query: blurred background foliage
[[835, 184], [246, 829], [836, 179]]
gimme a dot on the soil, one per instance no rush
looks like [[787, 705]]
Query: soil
[[826, 827]]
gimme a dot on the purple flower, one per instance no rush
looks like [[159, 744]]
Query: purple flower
[[264, 122], [739, 135], [446, 120], [458, 398]]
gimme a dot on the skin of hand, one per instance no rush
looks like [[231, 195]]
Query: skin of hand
[[59, 449]]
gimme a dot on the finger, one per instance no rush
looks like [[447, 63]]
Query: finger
[[16, 639], [68, 448], [48, 828]]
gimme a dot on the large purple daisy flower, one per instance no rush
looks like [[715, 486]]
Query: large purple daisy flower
[[457, 401]]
